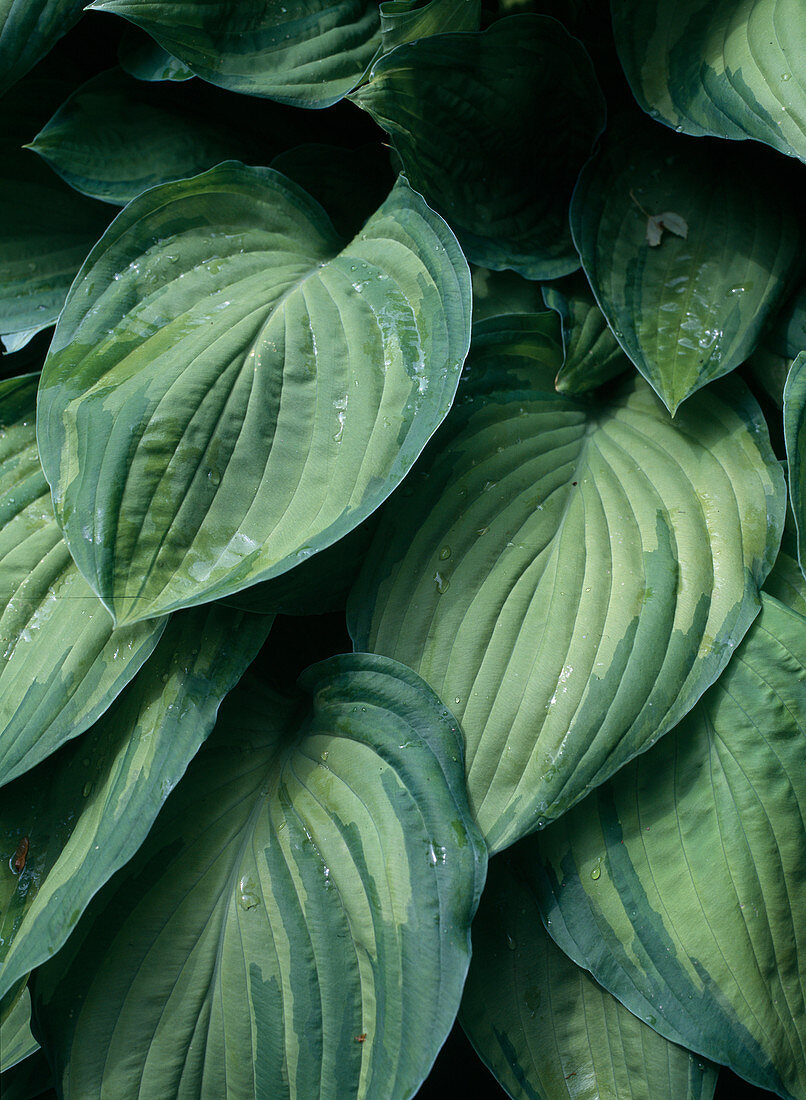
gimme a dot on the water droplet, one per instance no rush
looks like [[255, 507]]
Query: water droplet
[[441, 582], [214, 476], [510, 942], [324, 755], [247, 897], [444, 553], [87, 790], [596, 872], [786, 76]]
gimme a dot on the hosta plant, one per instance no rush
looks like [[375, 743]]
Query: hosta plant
[[402, 546]]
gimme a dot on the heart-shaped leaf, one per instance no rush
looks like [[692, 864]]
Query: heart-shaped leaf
[[61, 661], [478, 165], [681, 884], [691, 308], [230, 389], [68, 825], [308, 53], [28, 30], [718, 67], [545, 1028], [297, 923], [570, 578]]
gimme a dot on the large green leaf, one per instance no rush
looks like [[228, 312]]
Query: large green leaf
[[406, 20], [230, 389], [28, 29], [570, 578], [82, 814], [116, 136], [546, 1029], [61, 661], [795, 437], [681, 884], [687, 304], [308, 53], [591, 353], [16, 1040], [732, 68], [297, 923], [46, 229], [493, 128]]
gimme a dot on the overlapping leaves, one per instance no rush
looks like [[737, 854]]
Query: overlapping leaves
[[537, 574], [679, 884], [78, 817], [309, 54], [544, 1026], [231, 389], [686, 303], [493, 128], [297, 923], [61, 660]]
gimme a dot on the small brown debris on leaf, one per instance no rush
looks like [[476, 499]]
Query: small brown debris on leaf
[[361, 1038], [20, 856]]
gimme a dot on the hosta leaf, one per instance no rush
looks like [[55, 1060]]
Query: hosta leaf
[[16, 1040], [349, 183], [570, 578], [691, 308], [297, 923], [591, 353], [308, 53], [28, 29], [406, 20], [81, 815], [61, 661], [116, 136], [46, 229], [795, 437], [546, 1029], [681, 884], [478, 165], [734, 70], [230, 389], [140, 56]]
